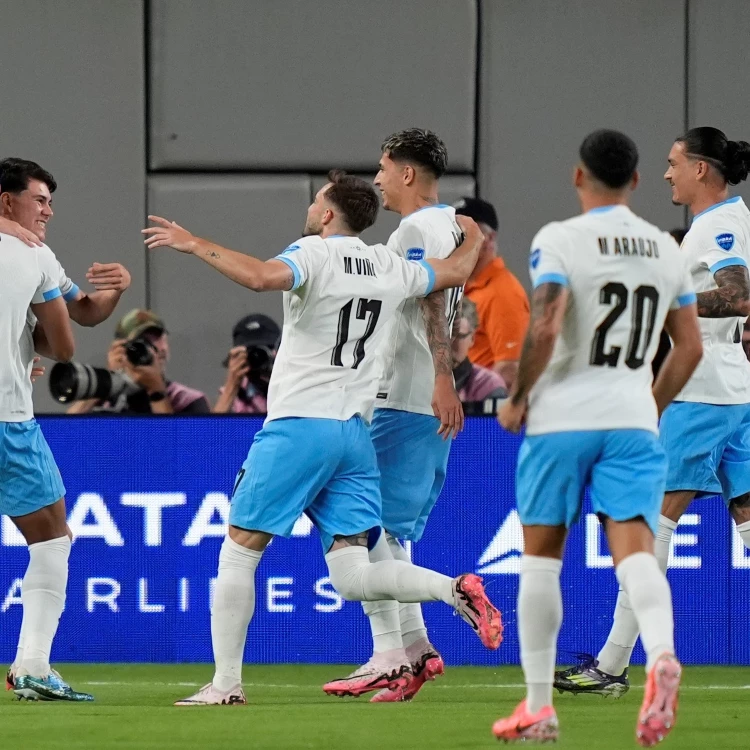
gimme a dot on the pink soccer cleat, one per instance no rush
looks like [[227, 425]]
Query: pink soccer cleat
[[208, 695], [390, 670], [659, 708], [475, 608], [427, 666], [525, 727]]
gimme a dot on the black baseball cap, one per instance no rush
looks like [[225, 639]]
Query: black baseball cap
[[256, 330], [479, 210]]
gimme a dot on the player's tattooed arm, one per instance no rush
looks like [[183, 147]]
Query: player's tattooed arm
[[456, 328], [548, 304], [731, 299], [252, 273], [438, 335]]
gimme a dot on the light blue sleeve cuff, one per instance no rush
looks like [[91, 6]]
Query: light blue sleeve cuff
[[72, 293], [733, 261], [297, 275], [551, 278], [689, 298], [52, 294], [430, 276]]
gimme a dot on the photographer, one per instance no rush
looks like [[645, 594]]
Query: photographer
[[255, 339], [140, 352]]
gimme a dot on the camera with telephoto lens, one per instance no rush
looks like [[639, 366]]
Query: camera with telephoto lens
[[73, 381], [139, 352]]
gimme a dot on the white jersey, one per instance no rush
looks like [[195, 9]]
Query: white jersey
[[335, 317], [408, 373], [28, 275], [623, 276], [68, 289], [719, 237]]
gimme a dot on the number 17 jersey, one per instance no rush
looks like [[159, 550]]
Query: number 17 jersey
[[623, 277]]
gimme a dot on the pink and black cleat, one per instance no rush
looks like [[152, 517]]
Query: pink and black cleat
[[472, 604], [523, 726], [427, 667], [390, 670]]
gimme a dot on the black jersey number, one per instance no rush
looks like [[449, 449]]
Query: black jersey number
[[643, 297], [365, 307]]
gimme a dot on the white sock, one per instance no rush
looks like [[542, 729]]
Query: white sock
[[385, 624], [539, 618], [357, 579], [233, 607], [663, 541], [651, 599], [19, 648], [614, 657], [413, 630], [43, 598], [744, 531]]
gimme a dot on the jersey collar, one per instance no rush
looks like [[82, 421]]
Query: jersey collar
[[733, 199]]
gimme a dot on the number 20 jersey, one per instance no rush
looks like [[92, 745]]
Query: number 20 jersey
[[623, 277], [343, 295]]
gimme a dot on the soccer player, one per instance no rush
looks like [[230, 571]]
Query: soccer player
[[31, 490], [605, 283], [706, 432], [417, 410], [26, 208], [314, 453]]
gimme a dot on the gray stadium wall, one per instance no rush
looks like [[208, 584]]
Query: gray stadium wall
[[225, 115]]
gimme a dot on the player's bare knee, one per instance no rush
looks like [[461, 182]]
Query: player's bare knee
[[250, 538]]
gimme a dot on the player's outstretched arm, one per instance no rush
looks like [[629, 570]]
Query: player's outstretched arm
[[548, 303], [456, 269], [731, 299], [687, 350], [56, 336], [110, 281], [252, 273]]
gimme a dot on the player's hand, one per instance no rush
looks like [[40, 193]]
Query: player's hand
[[14, 229], [116, 357], [168, 234], [512, 416], [237, 367], [471, 230], [37, 370], [446, 405], [108, 276]]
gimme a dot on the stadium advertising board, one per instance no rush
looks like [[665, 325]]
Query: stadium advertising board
[[148, 499]]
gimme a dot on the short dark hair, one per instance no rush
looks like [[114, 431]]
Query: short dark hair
[[731, 158], [420, 147], [678, 234], [610, 156], [16, 173], [356, 198]]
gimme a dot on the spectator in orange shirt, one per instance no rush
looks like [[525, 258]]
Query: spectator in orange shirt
[[501, 300]]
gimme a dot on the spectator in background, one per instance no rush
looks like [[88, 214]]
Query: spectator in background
[[473, 382], [255, 340], [153, 393], [502, 303], [664, 343]]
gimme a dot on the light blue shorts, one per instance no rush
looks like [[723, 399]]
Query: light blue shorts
[[708, 448], [324, 468], [412, 459], [625, 470], [29, 477]]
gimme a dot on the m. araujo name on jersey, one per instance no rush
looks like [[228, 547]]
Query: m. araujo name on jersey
[[335, 316], [623, 275], [408, 373], [27, 275], [719, 238]]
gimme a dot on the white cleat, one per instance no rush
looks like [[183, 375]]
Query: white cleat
[[208, 695]]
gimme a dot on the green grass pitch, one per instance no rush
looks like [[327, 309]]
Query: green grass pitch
[[287, 709]]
